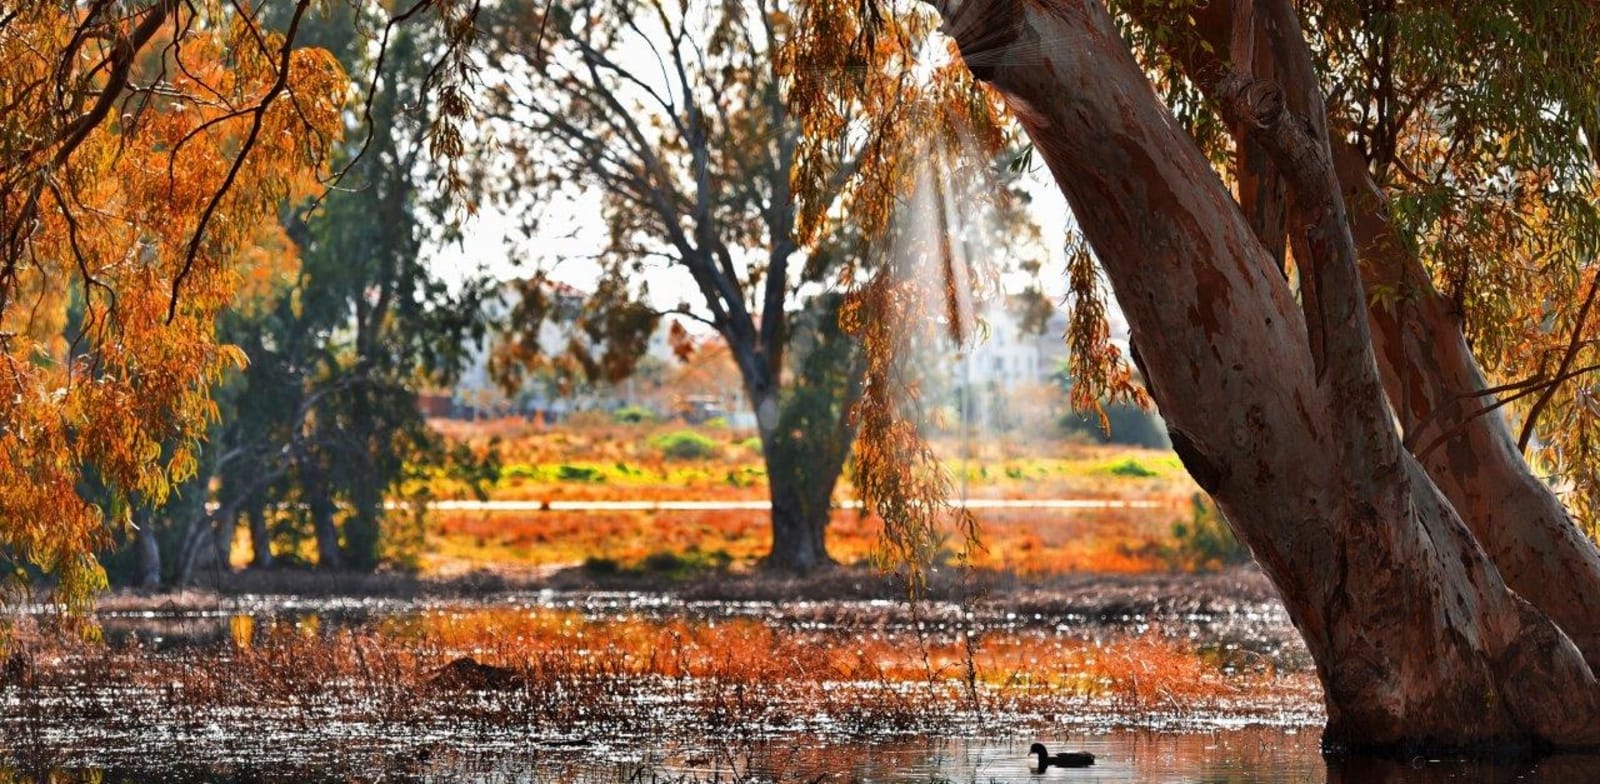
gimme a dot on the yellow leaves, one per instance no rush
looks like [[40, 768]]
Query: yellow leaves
[[96, 378], [234, 357], [1099, 372]]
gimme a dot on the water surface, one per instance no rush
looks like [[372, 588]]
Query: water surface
[[1247, 755]]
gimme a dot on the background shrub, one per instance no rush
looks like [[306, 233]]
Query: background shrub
[[633, 415], [1205, 541], [684, 445]]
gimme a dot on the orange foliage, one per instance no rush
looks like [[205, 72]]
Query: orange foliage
[[110, 289]]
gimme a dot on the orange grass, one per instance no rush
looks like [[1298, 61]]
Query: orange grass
[[612, 463], [568, 672], [1022, 541], [1138, 672]]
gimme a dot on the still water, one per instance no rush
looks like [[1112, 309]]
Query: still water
[[107, 737], [1254, 755]]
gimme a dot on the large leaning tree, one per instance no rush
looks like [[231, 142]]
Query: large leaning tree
[[674, 119], [1323, 222]]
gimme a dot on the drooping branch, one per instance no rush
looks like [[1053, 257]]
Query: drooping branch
[[1562, 370], [285, 53]]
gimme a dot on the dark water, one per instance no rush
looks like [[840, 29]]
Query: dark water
[[239, 748], [1257, 755]]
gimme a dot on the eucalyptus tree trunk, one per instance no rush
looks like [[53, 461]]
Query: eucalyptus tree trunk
[[807, 431], [260, 537], [1455, 427], [804, 460], [314, 484], [799, 514], [799, 520], [147, 548], [1277, 407], [1451, 421]]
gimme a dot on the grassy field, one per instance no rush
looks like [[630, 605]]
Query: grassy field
[[637, 463]]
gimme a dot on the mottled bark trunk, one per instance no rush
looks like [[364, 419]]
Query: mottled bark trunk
[[1278, 411], [1432, 380], [1461, 435]]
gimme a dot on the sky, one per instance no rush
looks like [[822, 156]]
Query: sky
[[490, 243]]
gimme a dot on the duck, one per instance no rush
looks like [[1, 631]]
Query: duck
[[1066, 759]]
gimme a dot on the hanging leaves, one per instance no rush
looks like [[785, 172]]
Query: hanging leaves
[[141, 146]]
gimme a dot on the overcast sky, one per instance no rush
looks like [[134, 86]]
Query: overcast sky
[[489, 244]]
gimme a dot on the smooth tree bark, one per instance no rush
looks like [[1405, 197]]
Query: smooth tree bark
[[1450, 419], [1278, 408]]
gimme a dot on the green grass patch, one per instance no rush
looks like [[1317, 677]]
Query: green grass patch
[[684, 445], [1131, 467]]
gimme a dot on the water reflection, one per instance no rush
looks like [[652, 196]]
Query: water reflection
[[1255, 755]]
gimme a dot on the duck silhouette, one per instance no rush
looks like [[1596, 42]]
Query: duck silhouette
[[1066, 759]]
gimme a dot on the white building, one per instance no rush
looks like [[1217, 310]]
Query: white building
[[477, 393], [1012, 355]]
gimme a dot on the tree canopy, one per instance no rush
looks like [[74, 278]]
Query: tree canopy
[[145, 152], [1323, 221]]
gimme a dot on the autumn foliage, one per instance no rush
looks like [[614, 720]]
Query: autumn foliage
[[145, 150]]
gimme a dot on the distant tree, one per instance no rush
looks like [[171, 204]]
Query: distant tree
[[328, 415], [323, 426], [677, 116]]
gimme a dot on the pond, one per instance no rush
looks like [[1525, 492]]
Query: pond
[[597, 686], [1250, 755]]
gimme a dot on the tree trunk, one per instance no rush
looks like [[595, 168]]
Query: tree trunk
[[320, 505], [799, 515], [149, 549], [806, 438], [799, 524], [223, 532], [1276, 407], [1432, 380], [1458, 432], [260, 537], [362, 527]]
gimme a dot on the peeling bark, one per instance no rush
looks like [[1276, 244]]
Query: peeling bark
[[1418, 641], [1438, 393], [1432, 380]]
